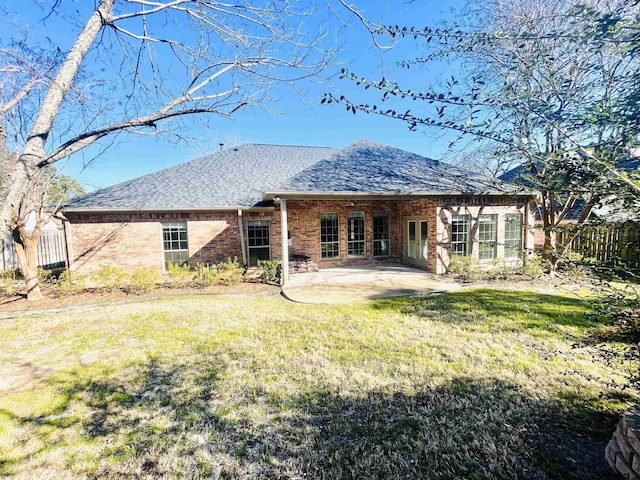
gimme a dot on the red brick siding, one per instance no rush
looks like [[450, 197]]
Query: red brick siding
[[135, 240], [304, 226], [501, 207]]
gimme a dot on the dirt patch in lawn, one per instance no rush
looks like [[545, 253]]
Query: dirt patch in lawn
[[18, 303]]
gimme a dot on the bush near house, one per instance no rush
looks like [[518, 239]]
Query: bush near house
[[269, 270], [469, 269]]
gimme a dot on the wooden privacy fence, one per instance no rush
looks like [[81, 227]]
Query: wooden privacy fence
[[51, 251], [616, 244]]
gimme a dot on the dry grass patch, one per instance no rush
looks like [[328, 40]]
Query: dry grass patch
[[474, 384]]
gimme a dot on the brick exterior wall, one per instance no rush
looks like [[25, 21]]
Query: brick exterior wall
[[304, 227], [494, 206], [134, 240]]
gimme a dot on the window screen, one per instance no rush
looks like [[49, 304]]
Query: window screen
[[259, 238], [355, 234], [512, 235], [487, 235]]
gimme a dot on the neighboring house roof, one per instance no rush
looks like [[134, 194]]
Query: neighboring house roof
[[240, 176], [611, 211]]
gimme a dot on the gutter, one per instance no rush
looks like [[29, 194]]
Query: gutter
[[165, 209], [318, 194]]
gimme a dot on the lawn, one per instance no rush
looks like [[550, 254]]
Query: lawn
[[475, 384]]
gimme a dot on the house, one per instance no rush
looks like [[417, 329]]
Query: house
[[363, 203], [611, 210]]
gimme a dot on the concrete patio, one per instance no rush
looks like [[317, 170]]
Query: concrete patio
[[361, 283]]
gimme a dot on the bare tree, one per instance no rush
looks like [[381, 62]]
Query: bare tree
[[128, 72], [548, 82]]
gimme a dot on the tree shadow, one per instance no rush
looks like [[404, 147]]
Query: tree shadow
[[170, 421]]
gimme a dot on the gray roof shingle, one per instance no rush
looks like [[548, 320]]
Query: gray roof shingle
[[234, 177], [366, 166], [238, 177]]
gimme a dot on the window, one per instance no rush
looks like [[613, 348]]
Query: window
[[460, 235], [176, 250], [381, 234], [259, 239], [512, 235], [355, 234], [487, 236], [329, 237]]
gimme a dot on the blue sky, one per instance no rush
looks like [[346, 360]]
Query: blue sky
[[301, 122]]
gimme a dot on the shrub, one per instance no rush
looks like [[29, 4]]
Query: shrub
[[9, 280], [45, 276], [466, 268], [535, 266], [70, 283], [110, 278], [143, 280], [207, 274], [179, 275], [231, 273], [269, 270]]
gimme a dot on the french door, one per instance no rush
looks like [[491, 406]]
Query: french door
[[415, 241]]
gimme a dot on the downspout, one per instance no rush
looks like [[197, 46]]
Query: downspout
[[242, 244]]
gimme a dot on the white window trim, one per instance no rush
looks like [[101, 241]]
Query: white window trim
[[495, 237], [186, 227], [518, 254], [468, 241]]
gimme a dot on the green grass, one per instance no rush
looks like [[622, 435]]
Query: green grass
[[476, 384]]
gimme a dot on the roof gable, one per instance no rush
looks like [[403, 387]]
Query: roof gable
[[366, 166]]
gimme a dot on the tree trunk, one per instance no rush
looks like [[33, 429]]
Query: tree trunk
[[34, 149], [549, 248], [27, 251]]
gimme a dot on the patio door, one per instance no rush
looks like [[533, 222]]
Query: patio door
[[415, 241]]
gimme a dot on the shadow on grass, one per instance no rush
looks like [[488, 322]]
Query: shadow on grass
[[526, 309], [174, 421]]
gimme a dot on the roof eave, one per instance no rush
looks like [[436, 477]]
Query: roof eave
[[163, 209], [292, 194]]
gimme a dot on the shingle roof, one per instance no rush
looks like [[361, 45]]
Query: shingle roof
[[240, 176], [366, 166], [234, 177]]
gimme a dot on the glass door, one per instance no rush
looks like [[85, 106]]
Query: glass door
[[411, 239], [416, 234]]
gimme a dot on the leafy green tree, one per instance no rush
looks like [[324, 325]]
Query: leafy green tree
[[554, 84], [61, 187]]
